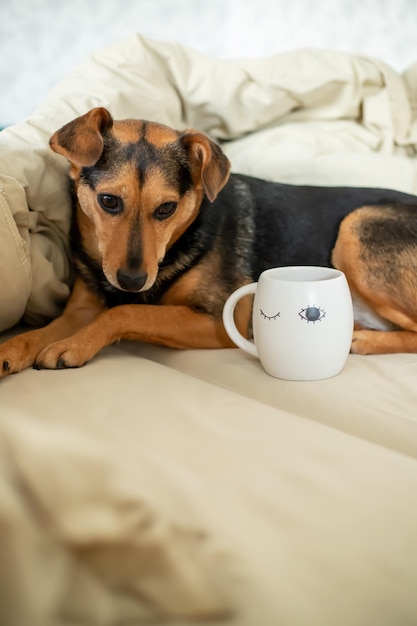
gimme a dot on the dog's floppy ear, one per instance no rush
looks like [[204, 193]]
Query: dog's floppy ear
[[209, 163], [81, 141]]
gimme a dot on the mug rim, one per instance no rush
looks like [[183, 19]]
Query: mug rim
[[302, 273]]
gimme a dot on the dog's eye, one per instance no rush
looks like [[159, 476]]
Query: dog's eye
[[110, 204], [165, 210]]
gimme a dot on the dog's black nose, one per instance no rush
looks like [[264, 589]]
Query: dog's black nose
[[130, 280]]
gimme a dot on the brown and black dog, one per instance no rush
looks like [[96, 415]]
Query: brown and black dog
[[162, 234]]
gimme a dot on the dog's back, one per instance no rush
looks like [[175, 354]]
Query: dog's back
[[264, 224]]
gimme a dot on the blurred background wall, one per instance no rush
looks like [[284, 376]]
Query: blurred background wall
[[41, 40]]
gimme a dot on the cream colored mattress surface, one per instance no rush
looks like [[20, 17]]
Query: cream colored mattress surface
[[155, 483], [306, 492]]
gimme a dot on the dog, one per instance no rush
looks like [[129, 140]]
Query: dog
[[163, 233]]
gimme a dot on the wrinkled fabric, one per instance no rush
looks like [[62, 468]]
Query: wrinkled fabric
[[80, 545], [305, 490], [306, 116]]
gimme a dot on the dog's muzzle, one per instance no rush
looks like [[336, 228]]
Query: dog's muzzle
[[131, 281]]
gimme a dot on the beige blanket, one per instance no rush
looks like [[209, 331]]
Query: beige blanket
[[155, 482], [80, 545]]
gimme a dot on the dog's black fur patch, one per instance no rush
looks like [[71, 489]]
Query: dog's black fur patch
[[171, 160]]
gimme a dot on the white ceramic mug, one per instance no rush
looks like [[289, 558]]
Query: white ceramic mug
[[302, 321]]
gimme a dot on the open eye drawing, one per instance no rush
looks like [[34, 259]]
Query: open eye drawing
[[312, 314], [270, 317]]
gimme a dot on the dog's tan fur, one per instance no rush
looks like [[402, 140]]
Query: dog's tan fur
[[396, 302], [188, 312]]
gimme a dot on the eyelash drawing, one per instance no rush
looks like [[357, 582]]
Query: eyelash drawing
[[270, 317], [312, 314]]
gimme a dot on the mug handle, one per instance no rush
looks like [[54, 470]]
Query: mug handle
[[229, 322]]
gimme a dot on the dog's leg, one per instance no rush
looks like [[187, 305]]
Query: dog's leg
[[383, 342], [21, 351], [387, 342], [382, 273], [391, 304], [172, 326]]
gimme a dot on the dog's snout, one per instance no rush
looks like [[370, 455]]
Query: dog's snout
[[131, 280]]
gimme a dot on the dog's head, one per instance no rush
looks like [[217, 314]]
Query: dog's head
[[139, 186]]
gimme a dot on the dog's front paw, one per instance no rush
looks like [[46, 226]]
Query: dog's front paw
[[363, 342], [63, 354], [17, 354]]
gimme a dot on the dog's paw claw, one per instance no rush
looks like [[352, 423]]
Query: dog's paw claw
[[43, 364]]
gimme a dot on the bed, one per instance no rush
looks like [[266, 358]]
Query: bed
[[167, 485]]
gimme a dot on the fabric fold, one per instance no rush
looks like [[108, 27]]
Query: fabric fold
[[79, 542]]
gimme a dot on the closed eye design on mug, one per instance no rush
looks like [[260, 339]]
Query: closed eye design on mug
[[270, 317], [309, 314]]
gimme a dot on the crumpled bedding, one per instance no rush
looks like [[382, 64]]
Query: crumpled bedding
[[306, 116], [305, 491], [156, 482], [73, 517]]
